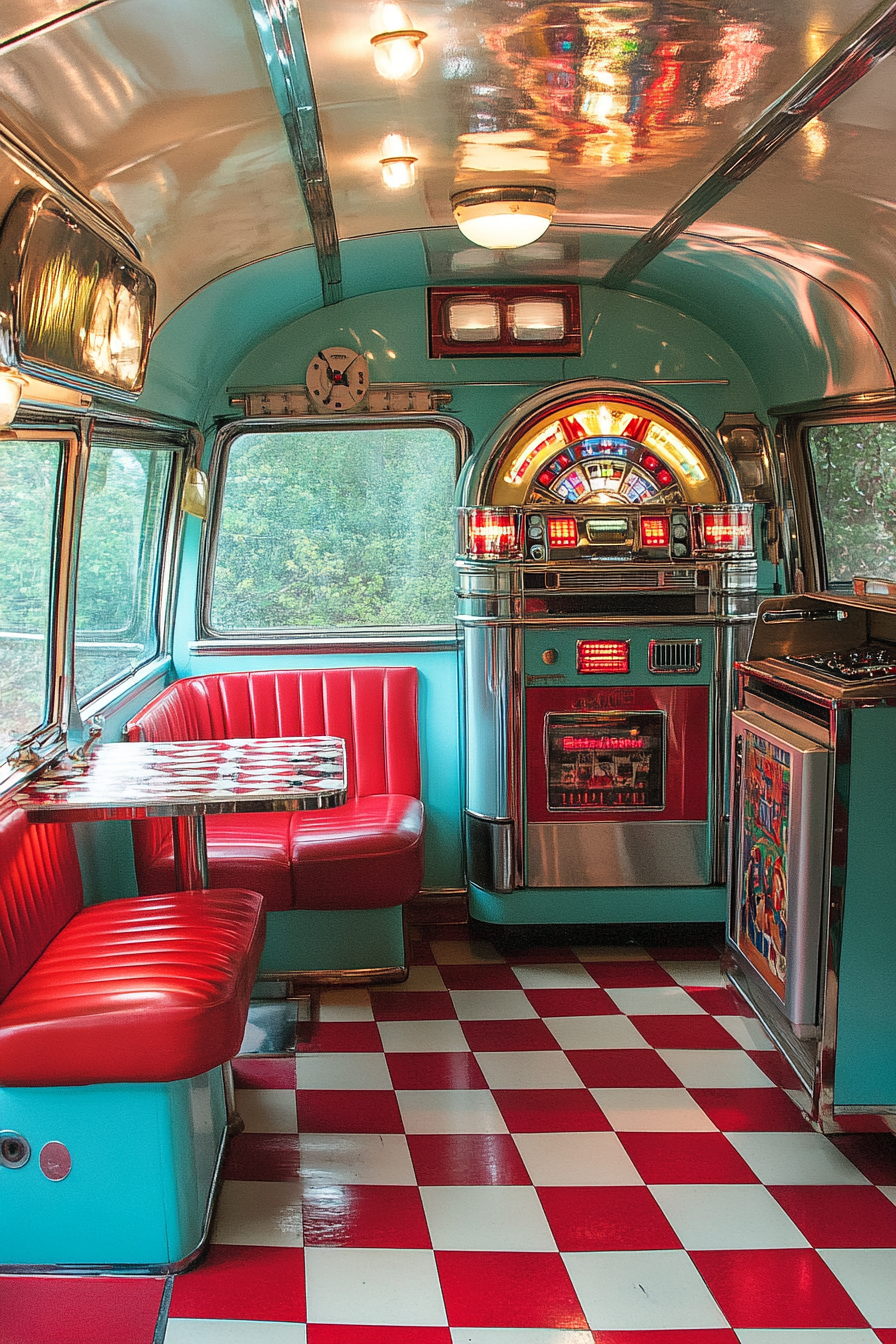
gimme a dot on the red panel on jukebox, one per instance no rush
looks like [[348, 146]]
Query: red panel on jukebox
[[613, 751]]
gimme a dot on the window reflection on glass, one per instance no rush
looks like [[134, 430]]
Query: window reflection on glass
[[855, 483], [121, 535], [336, 529], [28, 483]]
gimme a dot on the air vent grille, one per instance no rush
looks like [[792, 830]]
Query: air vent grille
[[668, 656], [617, 577]]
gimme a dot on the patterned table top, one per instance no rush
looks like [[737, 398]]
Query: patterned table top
[[131, 780]]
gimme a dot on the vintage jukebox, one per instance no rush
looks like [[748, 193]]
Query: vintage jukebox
[[607, 577]]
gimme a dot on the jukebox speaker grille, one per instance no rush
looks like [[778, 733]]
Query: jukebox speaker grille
[[674, 656]]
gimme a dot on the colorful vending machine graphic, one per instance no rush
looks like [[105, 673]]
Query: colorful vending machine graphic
[[779, 821]]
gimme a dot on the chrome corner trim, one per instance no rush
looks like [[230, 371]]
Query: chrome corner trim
[[842, 66], [365, 641], [279, 25]]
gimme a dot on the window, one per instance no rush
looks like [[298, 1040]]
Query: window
[[29, 481], [854, 469], [122, 528], [336, 528]]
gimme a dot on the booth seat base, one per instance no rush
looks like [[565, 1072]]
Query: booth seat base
[[335, 947], [138, 1197]]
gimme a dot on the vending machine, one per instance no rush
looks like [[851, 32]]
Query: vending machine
[[607, 578]]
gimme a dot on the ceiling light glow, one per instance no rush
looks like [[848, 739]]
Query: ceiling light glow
[[503, 217]]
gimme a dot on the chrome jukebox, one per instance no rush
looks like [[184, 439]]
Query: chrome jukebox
[[606, 562]]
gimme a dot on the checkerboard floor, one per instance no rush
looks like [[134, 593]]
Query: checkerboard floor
[[572, 1144]]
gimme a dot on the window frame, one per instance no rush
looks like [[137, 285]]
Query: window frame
[[333, 639]]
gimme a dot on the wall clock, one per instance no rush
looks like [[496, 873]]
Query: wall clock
[[337, 379]]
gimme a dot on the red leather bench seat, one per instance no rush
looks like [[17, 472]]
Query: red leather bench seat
[[134, 990], [367, 854]]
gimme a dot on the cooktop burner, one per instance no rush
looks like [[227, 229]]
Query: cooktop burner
[[866, 661]]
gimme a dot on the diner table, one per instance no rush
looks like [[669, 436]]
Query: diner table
[[188, 781]]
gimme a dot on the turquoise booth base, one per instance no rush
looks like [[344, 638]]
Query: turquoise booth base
[[144, 1157], [599, 905], [334, 944]]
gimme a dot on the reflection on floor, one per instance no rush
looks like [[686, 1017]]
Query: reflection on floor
[[560, 1146]]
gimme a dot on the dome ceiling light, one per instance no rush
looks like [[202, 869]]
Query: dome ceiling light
[[398, 164], [397, 50], [503, 217]]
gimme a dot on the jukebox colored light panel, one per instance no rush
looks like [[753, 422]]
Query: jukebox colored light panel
[[662, 440], [596, 657]]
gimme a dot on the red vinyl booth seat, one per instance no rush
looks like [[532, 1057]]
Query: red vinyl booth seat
[[133, 990], [367, 854]]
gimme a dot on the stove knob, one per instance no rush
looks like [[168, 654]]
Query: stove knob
[[536, 552]]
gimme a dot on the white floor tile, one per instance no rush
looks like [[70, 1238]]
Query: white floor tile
[[889, 1191], [356, 1159], [642, 1290], [196, 1331], [346, 1286], [653, 999], [796, 1159], [491, 1005], [348, 1071], [345, 1005], [532, 1069], [535, 1335], [806, 1337], [450, 953], [715, 1068], [613, 1031], [705, 974], [450, 1111], [564, 975], [441, 1037], [577, 1159], [268, 1110], [747, 1031], [259, 1213], [869, 1276], [651, 1109], [426, 978], [486, 1218], [726, 1217], [601, 952]]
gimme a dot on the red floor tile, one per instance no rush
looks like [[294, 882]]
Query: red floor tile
[[662, 1337], [412, 1006], [738, 1109], [606, 1218], [873, 1154], [508, 1288], [886, 1336], [479, 977], [692, 952], [37, 1310], [687, 1159], [378, 1334], [780, 1289], [622, 1068], [722, 1001], [255, 1073], [421, 953], [332, 1111], [628, 974], [467, 1159], [262, 1157], [684, 1033], [365, 1215], [550, 1111], [571, 1002], [863, 1124], [233, 1281], [775, 1066], [512, 1034], [335, 1037], [412, 1072], [839, 1215]]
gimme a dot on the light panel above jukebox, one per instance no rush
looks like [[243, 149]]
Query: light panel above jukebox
[[76, 308], [602, 453]]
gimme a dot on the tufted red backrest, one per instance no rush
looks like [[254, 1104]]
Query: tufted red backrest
[[374, 709], [40, 890]]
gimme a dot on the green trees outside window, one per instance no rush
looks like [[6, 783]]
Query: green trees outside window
[[855, 484]]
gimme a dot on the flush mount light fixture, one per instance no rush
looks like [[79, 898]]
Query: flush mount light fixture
[[397, 162], [397, 52], [503, 217]]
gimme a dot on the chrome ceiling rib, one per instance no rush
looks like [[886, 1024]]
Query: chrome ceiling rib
[[279, 27], [836, 71]]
